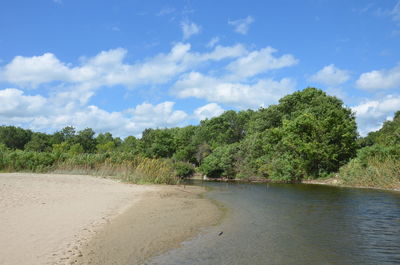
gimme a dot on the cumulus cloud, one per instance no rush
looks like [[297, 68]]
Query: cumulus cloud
[[242, 25], [15, 104], [371, 114], [35, 70], [260, 61], [380, 79], [108, 68], [69, 88], [261, 93], [331, 76], [64, 109], [208, 111], [189, 29], [160, 115]]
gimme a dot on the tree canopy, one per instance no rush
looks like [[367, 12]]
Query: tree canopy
[[308, 134]]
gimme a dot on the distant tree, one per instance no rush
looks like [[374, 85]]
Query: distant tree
[[228, 128], [14, 137], [76, 149], [86, 139], [40, 142], [105, 143], [184, 144], [130, 144], [156, 143]]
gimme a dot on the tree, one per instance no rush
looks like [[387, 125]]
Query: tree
[[156, 143], [14, 137], [228, 128], [40, 142], [317, 135], [86, 139], [130, 144]]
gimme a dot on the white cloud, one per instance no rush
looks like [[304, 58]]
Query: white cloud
[[212, 42], [331, 76], [161, 115], [242, 25], [260, 61], [15, 104], [35, 70], [380, 79], [189, 29], [261, 93], [208, 111], [70, 87], [371, 114], [63, 109], [108, 68]]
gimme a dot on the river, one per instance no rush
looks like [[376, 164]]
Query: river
[[296, 224]]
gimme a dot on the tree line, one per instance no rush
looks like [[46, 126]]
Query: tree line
[[307, 135]]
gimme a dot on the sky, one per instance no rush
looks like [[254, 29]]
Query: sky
[[123, 66]]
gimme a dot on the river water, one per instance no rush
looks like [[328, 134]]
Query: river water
[[296, 224]]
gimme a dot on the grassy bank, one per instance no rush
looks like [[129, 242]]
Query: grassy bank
[[376, 173], [124, 166]]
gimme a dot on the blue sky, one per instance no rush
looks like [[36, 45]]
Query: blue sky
[[123, 66]]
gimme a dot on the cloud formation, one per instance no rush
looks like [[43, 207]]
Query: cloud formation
[[60, 110], [242, 25], [108, 67], [242, 95], [189, 29], [371, 114], [208, 111], [380, 79], [69, 88], [260, 61], [330, 76]]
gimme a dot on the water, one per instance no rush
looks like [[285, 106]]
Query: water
[[296, 224]]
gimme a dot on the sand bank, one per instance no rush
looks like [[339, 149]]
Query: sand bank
[[73, 219]]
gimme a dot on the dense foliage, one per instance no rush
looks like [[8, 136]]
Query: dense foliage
[[308, 134], [377, 163]]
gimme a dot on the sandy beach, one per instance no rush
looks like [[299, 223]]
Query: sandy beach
[[75, 219]]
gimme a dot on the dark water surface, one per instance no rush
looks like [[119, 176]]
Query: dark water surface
[[296, 224]]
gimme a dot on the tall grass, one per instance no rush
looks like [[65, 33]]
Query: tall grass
[[124, 166], [374, 172]]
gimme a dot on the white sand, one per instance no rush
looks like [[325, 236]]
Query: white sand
[[45, 218], [74, 219]]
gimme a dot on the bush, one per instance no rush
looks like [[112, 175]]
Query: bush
[[374, 166], [183, 169]]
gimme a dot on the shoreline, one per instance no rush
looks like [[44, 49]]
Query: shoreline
[[334, 182], [161, 221], [75, 219]]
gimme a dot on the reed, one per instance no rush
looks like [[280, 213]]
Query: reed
[[374, 172], [124, 166]]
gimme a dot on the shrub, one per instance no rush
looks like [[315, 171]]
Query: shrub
[[183, 169]]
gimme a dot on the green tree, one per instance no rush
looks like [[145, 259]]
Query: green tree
[[130, 144], [40, 142], [86, 139], [316, 135], [157, 143], [14, 137]]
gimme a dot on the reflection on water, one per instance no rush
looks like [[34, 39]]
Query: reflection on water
[[296, 224]]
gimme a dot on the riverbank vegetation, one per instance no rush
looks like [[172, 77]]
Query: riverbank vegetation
[[377, 163], [307, 135]]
